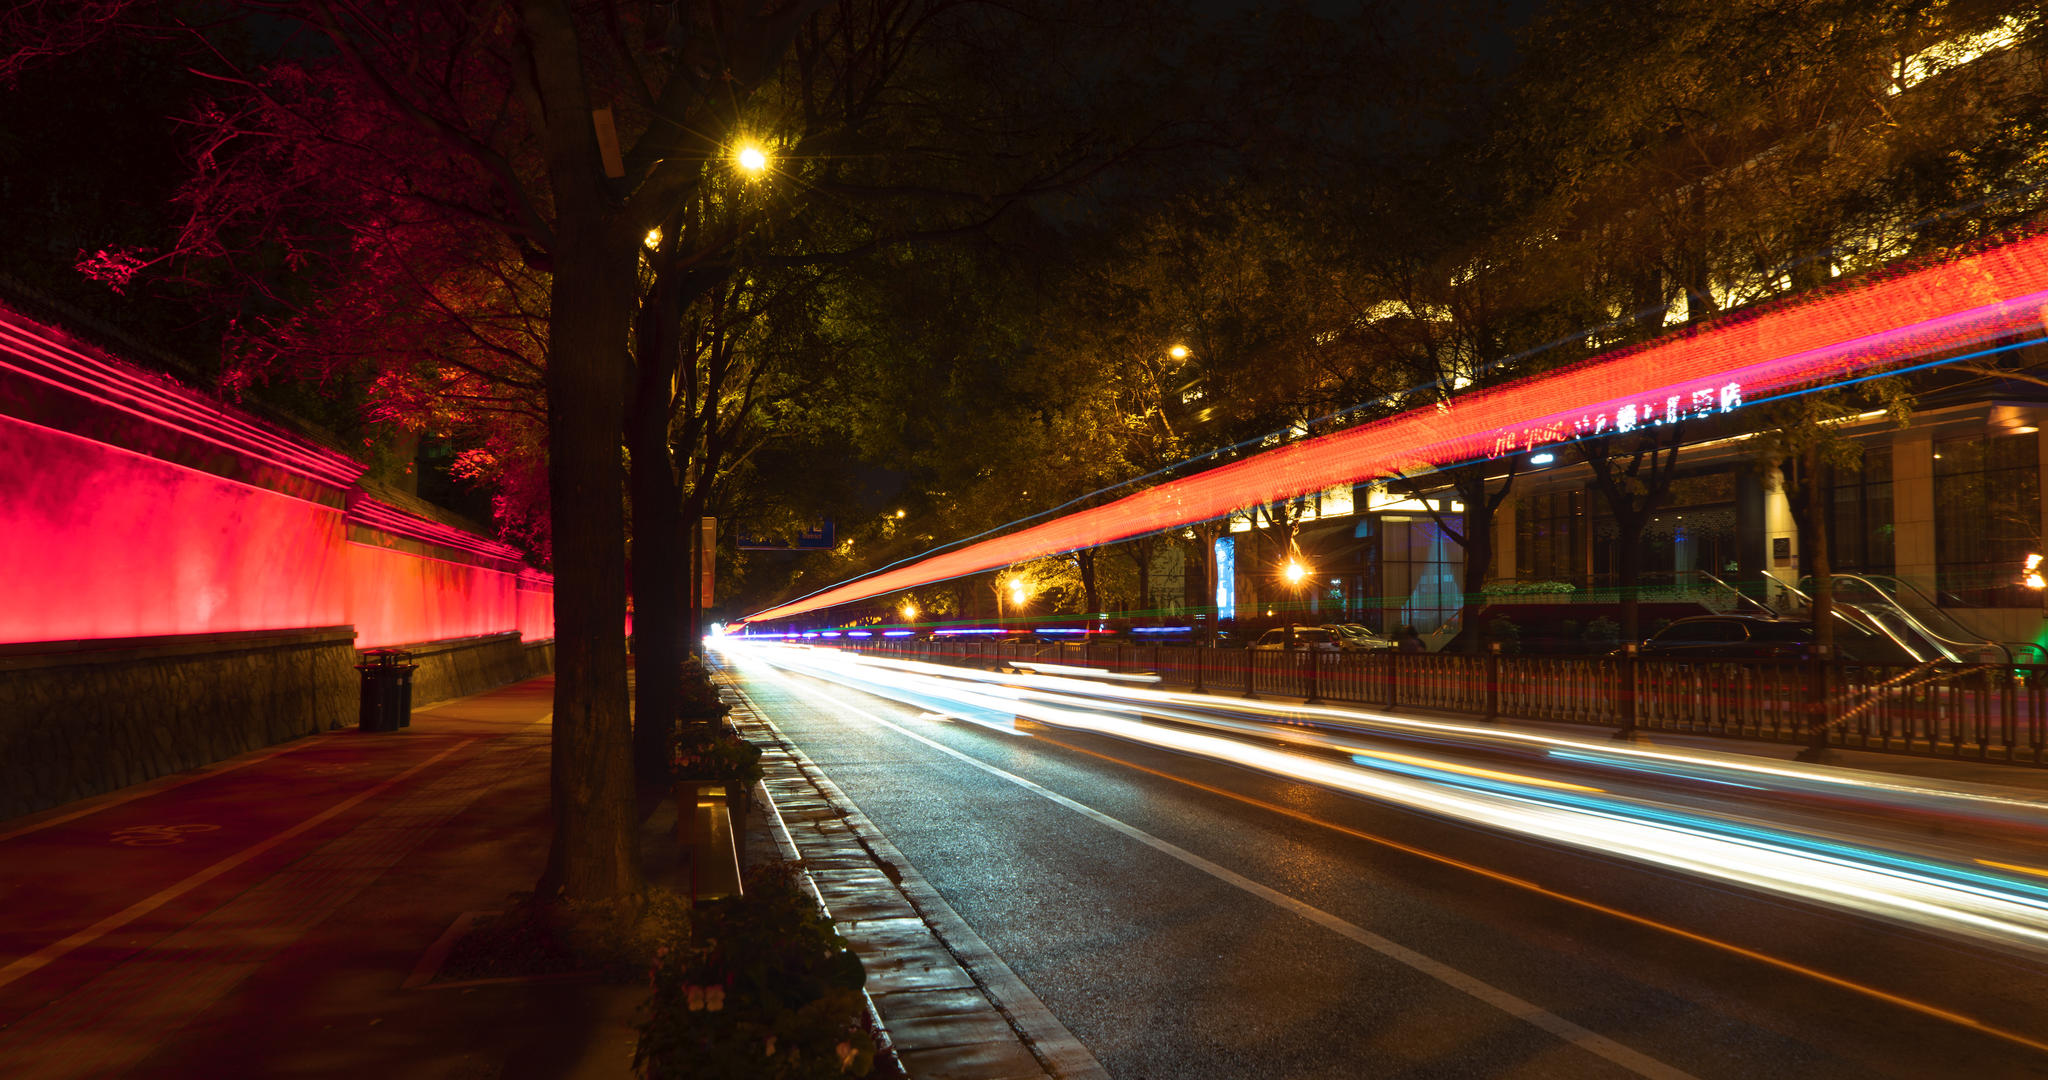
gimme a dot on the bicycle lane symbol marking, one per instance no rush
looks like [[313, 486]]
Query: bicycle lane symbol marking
[[157, 835]]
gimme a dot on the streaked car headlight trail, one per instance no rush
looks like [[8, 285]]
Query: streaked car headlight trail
[[1817, 862]]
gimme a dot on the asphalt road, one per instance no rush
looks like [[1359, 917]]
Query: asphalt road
[[1186, 916]]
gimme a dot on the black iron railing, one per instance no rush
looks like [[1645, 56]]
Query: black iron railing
[[1986, 712]]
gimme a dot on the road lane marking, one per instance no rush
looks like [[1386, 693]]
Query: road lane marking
[[1063, 1055], [1590, 1041], [2034, 870], [56, 950], [1837, 981]]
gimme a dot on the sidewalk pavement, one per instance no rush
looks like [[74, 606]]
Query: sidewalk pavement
[[263, 915], [283, 913]]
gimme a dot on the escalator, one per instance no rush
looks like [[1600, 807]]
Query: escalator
[[1909, 613], [1864, 620]]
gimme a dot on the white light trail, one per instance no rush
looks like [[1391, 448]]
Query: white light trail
[[1958, 898]]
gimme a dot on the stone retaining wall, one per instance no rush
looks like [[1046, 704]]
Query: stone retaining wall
[[463, 666], [80, 718], [540, 659]]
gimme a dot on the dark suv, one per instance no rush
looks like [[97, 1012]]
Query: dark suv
[[1751, 637]]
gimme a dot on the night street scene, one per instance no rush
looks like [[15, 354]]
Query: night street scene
[[1001, 539]]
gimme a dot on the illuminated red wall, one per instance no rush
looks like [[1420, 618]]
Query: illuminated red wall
[[536, 606], [397, 597], [132, 506], [99, 542]]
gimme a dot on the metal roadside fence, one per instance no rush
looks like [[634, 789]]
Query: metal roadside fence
[[1986, 712]]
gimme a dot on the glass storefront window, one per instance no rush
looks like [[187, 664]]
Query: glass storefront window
[[1547, 531], [1987, 517], [1860, 531], [1422, 571]]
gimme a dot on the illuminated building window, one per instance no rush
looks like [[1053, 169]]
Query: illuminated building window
[[1987, 517], [1548, 532], [1860, 533]]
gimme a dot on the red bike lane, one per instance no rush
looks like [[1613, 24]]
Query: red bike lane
[[83, 890]]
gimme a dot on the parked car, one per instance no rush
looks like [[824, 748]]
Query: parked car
[[1753, 637], [1305, 637], [1357, 638]]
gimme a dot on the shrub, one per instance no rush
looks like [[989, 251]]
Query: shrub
[[1526, 588], [1503, 629], [764, 990], [711, 752], [699, 698]]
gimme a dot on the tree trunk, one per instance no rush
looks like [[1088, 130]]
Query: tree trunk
[[1140, 552], [1478, 556], [1478, 544], [593, 856], [659, 561], [1084, 559], [594, 853], [1628, 572], [692, 557], [1817, 495]]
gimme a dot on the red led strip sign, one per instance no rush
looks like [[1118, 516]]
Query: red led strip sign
[[1860, 330]]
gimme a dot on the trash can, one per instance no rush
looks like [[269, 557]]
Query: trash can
[[387, 690]]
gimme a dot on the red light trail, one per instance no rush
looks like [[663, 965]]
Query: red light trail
[[1862, 329]]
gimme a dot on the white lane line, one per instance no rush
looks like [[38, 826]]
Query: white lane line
[[1590, 1041], [48, 954], [1064, 1056]]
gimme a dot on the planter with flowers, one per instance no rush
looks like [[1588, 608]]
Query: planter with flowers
[[763, 990]]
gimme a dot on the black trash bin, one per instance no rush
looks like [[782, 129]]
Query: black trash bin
[[387, 690]]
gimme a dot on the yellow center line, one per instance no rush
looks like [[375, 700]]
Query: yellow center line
[[2034, 870], [1591, 905]]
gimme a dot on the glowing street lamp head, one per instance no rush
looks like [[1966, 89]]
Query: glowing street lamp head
[[1294, 572], [751, 159], [1016, 592], [1178, 352], [909, 611]]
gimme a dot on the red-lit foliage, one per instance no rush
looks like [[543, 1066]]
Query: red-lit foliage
[[1868, 327]]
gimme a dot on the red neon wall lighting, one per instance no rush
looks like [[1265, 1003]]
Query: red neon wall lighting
[[204, 519], [99, 542], [536, 606], [398, 598], [1868, 328]]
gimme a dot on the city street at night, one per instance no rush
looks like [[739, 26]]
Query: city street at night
[[1023, 540], [1185, 915]]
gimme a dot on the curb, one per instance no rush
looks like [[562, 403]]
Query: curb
[[1009, 1033]]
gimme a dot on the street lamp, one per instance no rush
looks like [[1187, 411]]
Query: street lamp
[[909, 611], [750, 158], [1295, 573], [1178, 352]]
